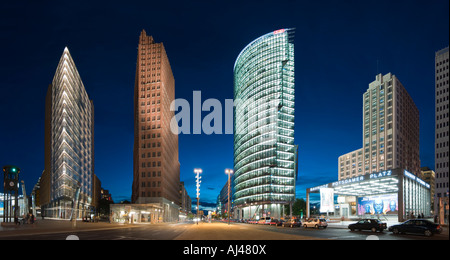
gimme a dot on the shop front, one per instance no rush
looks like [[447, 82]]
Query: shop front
[[136, 213], [391, 194]]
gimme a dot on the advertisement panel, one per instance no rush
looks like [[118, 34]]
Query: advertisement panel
[[326, 200], [378, 204]]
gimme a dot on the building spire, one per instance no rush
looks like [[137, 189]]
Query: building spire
[[144, 38]]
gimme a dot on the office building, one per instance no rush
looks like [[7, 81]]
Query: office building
[[156, 169], [390, 131], [442, 132], [69, 146], [429, 176], [264, 151], [351, 164], [185, 201], [222, 199]]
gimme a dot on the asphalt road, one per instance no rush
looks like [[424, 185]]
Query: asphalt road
[[212, 231]]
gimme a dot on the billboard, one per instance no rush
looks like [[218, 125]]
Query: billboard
[[378, 204], [326, 200]]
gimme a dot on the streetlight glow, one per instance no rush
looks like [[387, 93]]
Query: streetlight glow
[[197, 171]]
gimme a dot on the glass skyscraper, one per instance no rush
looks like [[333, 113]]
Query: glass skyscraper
[[264, 150], [69, 144]]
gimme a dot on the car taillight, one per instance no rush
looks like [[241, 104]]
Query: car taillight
[[438, 227]]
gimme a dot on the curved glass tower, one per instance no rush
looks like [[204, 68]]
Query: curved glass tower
[[264, 150]]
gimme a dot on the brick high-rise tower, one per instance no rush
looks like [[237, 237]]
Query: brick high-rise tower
[[156, 167]]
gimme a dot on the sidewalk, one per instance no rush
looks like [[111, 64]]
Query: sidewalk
[[49, 226]]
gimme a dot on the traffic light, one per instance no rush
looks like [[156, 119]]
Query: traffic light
[[11, 169]]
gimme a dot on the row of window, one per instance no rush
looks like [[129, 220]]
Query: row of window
[[151, 194], [443, 134], [152, 184], [442, 155], [152, 81], [151, 164], [442, 76], [151, 174], [151, 155], [154, 118], [442, 84], [153, 94]]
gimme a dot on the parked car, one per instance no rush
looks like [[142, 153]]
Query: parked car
[[276, 222], [373, 225], [292, 223], [264, 221], [417, 226], [316, 223]]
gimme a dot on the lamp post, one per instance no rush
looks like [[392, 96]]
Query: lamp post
[[229, 172], [198, 181]]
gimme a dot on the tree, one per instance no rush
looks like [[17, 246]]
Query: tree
[[298, 207]]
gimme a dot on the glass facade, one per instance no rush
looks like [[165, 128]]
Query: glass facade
[[71, 142], [416, 196], [264, 151]]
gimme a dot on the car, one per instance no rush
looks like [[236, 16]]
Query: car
[[252, 221], [264, 221], [276, 222], [373, 225], [416, 226], [292, 223], [316, 223]]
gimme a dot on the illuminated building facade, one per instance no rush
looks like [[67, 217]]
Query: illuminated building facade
[[69, 145], [156, 169], [390, 131], [264, 150], [442, 134]]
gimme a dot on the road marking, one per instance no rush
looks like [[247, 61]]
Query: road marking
[[341, 237], [372, 237]]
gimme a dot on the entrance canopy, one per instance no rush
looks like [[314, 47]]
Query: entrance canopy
[[369, 184], [412, 193]]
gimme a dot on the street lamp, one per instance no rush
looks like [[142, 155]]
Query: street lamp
[[229, 172], [198, 181]]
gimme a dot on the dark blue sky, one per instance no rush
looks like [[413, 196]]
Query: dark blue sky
[[337, 46]]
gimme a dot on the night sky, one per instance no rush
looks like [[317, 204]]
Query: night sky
[[339, 48]]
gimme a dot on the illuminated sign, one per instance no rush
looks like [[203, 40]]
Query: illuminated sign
[[348, 181], [415, 178], [378, 204], [380, 174], [278, 31], [326, 200], [318, 187]]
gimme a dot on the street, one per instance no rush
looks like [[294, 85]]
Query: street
[[192, 231]]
